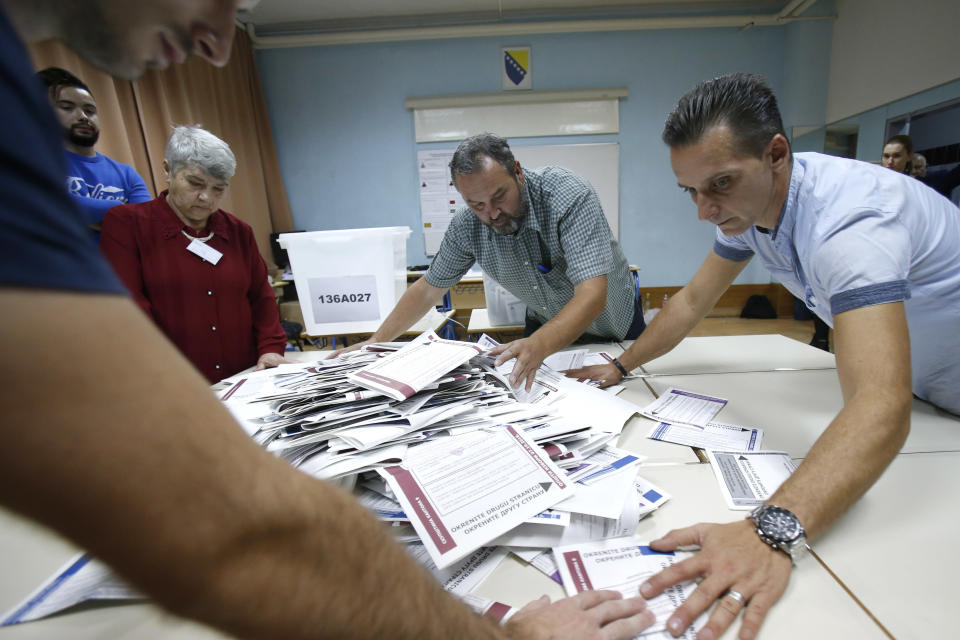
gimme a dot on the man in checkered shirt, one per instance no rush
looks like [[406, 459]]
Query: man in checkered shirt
[[542, 235]]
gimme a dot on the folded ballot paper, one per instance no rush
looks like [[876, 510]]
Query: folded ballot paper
[[409, 370], [435, 443]]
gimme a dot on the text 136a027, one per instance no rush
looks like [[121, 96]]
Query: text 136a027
[[340, 298]]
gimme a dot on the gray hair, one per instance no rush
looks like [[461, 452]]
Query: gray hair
[[468, 157], [194, 145]]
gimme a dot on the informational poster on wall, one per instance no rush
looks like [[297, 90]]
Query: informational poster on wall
[[439, 198], [599, 163]]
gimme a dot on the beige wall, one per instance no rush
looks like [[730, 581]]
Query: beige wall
[[884, 50]]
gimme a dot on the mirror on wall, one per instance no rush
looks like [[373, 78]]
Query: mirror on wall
[[934, 130], [841, 140]]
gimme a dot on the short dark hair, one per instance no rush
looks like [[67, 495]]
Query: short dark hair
[[56, 78], [467, 158], [742, 101], [901, 139]]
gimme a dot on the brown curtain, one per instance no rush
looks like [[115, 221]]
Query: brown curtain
[[136, 119]]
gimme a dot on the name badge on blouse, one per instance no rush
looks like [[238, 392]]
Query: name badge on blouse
[[206, 252]]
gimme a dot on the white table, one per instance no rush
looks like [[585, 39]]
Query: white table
[[480, 323], [814, 605], [739, 353], [794, 407], [30, 554], [894, 550]]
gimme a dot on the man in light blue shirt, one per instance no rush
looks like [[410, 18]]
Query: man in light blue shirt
[[875, 254], [852, 235]]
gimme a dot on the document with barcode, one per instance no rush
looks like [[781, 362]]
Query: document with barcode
[[716, 435], [677, 406], [748, 479]]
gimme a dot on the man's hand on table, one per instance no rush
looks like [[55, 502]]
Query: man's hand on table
[[529, 355], [731, 557], [605, 374], [591, 615], [270, 360]]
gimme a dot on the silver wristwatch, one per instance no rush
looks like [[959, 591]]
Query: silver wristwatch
[[780, 529]]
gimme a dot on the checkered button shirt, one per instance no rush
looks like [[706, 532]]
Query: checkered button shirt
[[565, 232]]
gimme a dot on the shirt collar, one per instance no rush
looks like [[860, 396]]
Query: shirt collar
[[532, 221], [782, 235], [79, 158], [173, 226]]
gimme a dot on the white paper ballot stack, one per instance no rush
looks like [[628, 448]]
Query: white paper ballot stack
[[437, 445]]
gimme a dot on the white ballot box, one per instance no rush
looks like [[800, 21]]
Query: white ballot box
[[504, 308], [347, 280]]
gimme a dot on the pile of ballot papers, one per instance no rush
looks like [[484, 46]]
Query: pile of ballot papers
[[435, 443]]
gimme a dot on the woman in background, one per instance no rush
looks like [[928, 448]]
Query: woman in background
[[195, 269]]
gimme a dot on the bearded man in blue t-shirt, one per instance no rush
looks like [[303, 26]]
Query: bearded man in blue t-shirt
[[95, 182]]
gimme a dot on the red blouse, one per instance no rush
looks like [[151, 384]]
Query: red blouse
[[222, 317]]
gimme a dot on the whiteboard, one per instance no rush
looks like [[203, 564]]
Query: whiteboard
[[598, 163], [584, 117]]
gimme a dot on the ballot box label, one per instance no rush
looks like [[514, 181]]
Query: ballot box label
[[344, 299]]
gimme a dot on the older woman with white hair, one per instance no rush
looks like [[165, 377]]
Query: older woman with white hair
[[195, 269]]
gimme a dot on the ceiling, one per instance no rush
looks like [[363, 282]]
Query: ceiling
[[296, 17]]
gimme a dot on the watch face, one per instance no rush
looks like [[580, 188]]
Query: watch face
[[778, 524]]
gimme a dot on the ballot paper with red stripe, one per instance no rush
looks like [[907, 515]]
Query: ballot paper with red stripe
[[463, 491], [414, 367], [622, 565]]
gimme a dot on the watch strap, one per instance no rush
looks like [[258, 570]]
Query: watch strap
[[796, 548], [620, 367]]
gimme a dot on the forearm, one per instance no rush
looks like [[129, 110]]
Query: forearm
[[683, 311], [846, 459], [587, 303], [267, 329], [118, 244], [665, 331], [413, 304], [334, 573], [262, 551], [92, 208], [873, 366]]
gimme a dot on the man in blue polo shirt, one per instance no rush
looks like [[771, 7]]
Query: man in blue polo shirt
[[875, 254], [96, 182]]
